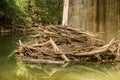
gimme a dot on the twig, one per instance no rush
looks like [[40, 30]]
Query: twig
[[54, 46], [40, 45], [82, 32], [26, 47]]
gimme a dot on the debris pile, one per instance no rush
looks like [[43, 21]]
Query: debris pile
[[60, 44]]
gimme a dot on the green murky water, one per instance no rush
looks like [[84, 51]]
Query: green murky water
[[9, 70]]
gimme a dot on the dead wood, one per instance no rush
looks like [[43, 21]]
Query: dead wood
[[40, 45], [58, 50], [59, 44], [40, 61], [98, 51]]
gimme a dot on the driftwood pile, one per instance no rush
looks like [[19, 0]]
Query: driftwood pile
[[60, 44]]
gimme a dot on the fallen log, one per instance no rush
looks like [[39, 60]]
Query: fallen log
[[98, 51], [41, 61]]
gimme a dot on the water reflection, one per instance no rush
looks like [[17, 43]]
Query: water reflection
[[8, 65], [89, 71]]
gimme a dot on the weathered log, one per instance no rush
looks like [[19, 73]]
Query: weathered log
[[40, 61], [98, 51]]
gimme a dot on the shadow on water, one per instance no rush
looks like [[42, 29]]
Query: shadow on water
[[7, 65], [12, 70]]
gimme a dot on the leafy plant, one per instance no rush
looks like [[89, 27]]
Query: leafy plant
[[26, 12]]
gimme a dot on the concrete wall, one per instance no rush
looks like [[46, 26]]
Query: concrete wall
[[101, 16]]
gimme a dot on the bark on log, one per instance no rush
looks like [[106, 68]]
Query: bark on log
[[37, 61], [100, 50]]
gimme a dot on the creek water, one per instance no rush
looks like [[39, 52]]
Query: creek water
[[10, 70]]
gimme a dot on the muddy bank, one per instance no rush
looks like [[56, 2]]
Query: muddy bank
[[61, 44]]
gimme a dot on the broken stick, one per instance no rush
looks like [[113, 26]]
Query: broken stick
[[58, 50]]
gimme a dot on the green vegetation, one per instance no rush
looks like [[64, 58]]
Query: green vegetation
[[49, 11], [10, 12], [30, 12]]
